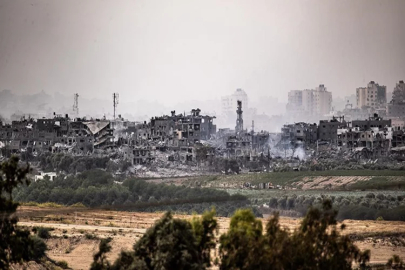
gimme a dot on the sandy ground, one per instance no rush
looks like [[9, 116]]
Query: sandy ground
[[70, 239]]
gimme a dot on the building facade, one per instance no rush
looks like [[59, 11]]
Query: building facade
[[396, 108], [372, 96], [311, 102]]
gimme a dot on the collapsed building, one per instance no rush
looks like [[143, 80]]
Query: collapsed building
[[57, 134], [298, 135], [177, 135], [243, 144], [396, 107], [368, 138], [371, 137], [193, 127]]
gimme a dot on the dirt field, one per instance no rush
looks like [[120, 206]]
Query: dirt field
[[74, 230]]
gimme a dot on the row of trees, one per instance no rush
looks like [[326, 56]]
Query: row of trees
[[179, 244], [96, 188], [67, 163], [341, 165], [370, 206], [223, 209]]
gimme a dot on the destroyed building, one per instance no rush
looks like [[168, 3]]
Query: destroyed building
[[142, 132], [138, 155], [242, 144], [375, 139], [398, 138], [327, 130], [29, 135], [396, 107], [193, 127], [174, 134], [57, 134], [371, 137], [298, 135], [100, 132]]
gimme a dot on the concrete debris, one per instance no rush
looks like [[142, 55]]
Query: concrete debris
[[186, 145]]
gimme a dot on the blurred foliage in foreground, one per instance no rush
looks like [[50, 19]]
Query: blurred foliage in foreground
[[180, 244], [16, 245]]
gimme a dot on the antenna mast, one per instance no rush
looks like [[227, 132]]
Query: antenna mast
[[115, 102], [76, 104]]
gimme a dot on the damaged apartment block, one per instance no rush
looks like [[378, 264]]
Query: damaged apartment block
[[57, 134], [242, 144]]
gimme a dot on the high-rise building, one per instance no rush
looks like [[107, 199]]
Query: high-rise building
[[311, 102], [373, 96]]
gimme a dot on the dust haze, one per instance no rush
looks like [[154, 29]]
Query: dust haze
[[161, 55]]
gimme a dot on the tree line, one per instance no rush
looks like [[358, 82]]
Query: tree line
[[368, 207], [98, 188]]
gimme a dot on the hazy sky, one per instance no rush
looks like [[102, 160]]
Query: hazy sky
[[178, 50]]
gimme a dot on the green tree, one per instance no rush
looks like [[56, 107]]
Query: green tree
[[100, 261], [16, 245], [169, 244], [280, 248], [316, 244], [242, 246], [204, 229], [395, 262]]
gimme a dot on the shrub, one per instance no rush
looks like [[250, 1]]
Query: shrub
[[90, 236], [370, 196], [273, 202], [42, 232], [37, 248], [282, 202], [290, 203], [380, 196], [395, 262], [356, 212], [62, 264], [397, 213]]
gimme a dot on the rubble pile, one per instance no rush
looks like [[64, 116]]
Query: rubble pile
[[186, 145]]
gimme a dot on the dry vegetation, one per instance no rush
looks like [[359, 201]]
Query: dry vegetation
[[77, 232]]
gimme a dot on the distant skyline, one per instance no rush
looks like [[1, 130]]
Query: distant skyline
[[175, 51]]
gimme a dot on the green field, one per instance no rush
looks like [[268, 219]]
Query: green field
[[379, 180]]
